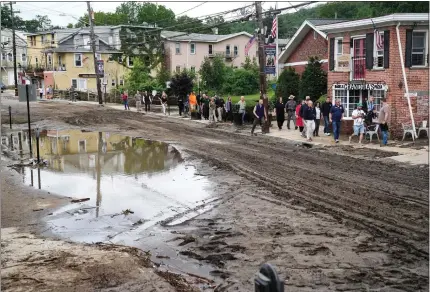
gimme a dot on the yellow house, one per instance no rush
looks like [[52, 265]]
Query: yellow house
[[63, 58]]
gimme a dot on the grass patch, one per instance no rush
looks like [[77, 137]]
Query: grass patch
[[250, 99]]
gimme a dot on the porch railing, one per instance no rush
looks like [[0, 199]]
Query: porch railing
[[358, 68]]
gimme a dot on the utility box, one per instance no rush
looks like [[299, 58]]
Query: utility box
[[32, 92]]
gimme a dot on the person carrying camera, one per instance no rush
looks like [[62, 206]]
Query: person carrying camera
[[358, 115]]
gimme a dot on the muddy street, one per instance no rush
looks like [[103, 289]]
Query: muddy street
[[328, 222]]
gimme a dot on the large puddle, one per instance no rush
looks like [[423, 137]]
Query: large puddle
[[132, 188]]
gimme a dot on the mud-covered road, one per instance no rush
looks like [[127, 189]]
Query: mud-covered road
[[328, 222]]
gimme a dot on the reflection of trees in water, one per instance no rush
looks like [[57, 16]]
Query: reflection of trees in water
[[144, 155]]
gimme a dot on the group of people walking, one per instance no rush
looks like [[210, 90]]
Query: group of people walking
[[214, 109], [145, 98], [307, 116]]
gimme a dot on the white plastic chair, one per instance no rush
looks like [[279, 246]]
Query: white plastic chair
[[408, 129], [423, 128], [372, 132]]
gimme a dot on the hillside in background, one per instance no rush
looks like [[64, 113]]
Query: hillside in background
[[137, 13], [289, 23]]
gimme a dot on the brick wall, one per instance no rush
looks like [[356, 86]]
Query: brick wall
[[310, 46], [417, 78]]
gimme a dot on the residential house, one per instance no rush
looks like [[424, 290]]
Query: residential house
[[361, 65], [308, 41], [7, 70], [63, 58], [188, 51]]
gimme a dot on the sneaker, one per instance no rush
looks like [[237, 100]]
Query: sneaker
[[337, 141], [350, 139]]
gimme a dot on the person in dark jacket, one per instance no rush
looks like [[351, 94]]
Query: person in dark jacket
[[291, 111], [180, 104], [309, 115], [325, 110], [260, 116], [280, 113], [147, 101], [229, 110]]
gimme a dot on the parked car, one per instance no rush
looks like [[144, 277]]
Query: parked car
[[2, 86]]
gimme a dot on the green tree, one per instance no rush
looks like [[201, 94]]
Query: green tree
[[163, 75], [155, 14], [213, 73], [314, 80], [138, 78], [70, 25], [241, 82], [288, 83], [188, 24], [181, 84], [251, 65]]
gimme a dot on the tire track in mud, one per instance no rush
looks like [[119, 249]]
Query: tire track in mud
[[384, 199], [365, 203]]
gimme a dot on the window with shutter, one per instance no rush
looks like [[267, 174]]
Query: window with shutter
[[386, 49], [419, 48], [408, 50]]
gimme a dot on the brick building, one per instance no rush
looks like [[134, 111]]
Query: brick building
[[361, 65], [308, 41]]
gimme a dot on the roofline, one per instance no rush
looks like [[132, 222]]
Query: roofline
[[226, 37], [302, 27], [407, 17]]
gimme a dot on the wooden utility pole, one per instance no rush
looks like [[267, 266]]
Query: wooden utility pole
[[262, 63], [14, 49], [93, 45]]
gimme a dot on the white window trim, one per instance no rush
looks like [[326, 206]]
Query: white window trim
[[336, 40], [98, 56], [346, 110], [234, 54], [11, 57], [211, 46], [229, 48], [178, 53], [25, 58], [128, 62], [120, 60], [375, 53], [426, 40], [113, 83], [195, 48], [74, 60], [121, 81], [176, 69], [79, 146], [77, 83]]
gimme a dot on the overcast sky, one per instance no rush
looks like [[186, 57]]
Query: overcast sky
[[76, 9]]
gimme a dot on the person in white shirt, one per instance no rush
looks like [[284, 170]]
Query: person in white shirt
[[358, 116], [41, 92]]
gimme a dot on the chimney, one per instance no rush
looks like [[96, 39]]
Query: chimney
[[215, 30]]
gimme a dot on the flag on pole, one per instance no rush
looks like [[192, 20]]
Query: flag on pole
[[274, 27], [379, 40], [249, 45]]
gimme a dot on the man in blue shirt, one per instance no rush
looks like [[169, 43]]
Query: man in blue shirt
[[336, 116]]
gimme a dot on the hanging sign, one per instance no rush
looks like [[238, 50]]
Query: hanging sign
[[270, 52], [343, 63], [354, 86], [100, 67]]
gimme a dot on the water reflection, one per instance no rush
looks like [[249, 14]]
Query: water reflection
[[116, 173]]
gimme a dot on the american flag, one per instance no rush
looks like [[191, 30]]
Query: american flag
[[379, 40], [249, 45], [274, 27]]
